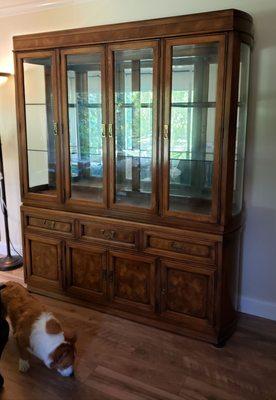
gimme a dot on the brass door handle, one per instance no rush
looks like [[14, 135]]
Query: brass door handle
[[104, 130], [166, 131], [177, 246], [55, 128], [110, 130]]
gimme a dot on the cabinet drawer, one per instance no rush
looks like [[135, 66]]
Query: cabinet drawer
[[50, 224], [183, 247], [109, 233]]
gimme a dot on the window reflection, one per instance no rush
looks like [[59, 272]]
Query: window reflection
[[192, 126], [39, 111], [85, 126], [134, 126]]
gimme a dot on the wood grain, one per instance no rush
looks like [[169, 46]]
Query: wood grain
[[119, 359]]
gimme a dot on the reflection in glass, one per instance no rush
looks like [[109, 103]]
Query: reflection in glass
[[192, 126], [134, 126], [85, 122], [241, 128], [39, 110]]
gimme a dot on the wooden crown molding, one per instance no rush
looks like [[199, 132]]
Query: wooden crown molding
[[202, 23]]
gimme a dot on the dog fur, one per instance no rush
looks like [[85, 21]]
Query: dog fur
[[37, 331]]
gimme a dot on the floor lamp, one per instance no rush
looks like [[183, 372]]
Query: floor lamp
[[9, 262]]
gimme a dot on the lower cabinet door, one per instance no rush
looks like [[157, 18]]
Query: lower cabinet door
[[43, 258], [132, 282], [86, 271], [187, 293]]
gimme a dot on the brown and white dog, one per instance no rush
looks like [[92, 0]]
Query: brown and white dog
[[37, 331]]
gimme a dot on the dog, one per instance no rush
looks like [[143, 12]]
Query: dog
[[37, 331]]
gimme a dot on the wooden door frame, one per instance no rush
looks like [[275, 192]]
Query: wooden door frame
[[216, 181], [96, 49], [134, 45]]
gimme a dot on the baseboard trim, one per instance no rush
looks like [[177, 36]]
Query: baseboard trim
[[259, 308]]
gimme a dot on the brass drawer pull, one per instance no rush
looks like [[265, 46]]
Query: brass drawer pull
[[49, 224], [177, 246], [110, 235]]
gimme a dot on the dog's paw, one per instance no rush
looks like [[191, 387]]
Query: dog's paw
[[23, 365]]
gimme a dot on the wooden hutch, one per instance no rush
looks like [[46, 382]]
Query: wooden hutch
[[131, 146]]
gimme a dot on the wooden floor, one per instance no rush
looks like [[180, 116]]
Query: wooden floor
[[119, 359]]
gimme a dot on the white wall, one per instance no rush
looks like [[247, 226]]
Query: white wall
[[259, 255]]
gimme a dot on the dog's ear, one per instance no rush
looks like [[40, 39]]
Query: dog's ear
[[70, 337]]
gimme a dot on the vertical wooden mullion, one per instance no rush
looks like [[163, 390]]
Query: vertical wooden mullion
[[220, 94], [230, 124]]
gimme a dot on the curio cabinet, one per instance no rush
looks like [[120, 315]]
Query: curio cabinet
[[132, 145]]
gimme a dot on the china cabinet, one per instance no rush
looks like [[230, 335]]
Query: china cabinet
[[132, 145]]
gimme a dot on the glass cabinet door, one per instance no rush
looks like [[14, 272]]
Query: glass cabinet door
[[191, 126], [83, 75], [132, 129], [40, 127]]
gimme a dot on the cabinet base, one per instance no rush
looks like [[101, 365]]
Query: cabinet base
[[157, 322]]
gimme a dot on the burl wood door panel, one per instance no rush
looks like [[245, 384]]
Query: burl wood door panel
[[187, 293], [86, 272], [43, 262], [132, 281]]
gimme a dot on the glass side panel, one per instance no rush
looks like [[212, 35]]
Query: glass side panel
[[192, 127], [133, 126], [85, 126], [41, 139], [241, 128]]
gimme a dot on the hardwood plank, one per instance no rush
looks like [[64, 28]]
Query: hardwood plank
[[120, 359]]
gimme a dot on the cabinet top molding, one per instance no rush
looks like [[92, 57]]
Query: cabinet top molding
[[192, 24]]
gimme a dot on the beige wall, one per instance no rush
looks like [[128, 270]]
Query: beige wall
[[259, 255]]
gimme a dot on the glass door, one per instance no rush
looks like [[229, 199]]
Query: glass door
[[192, 126], [83, 79], [133, 81], [39, 125]]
